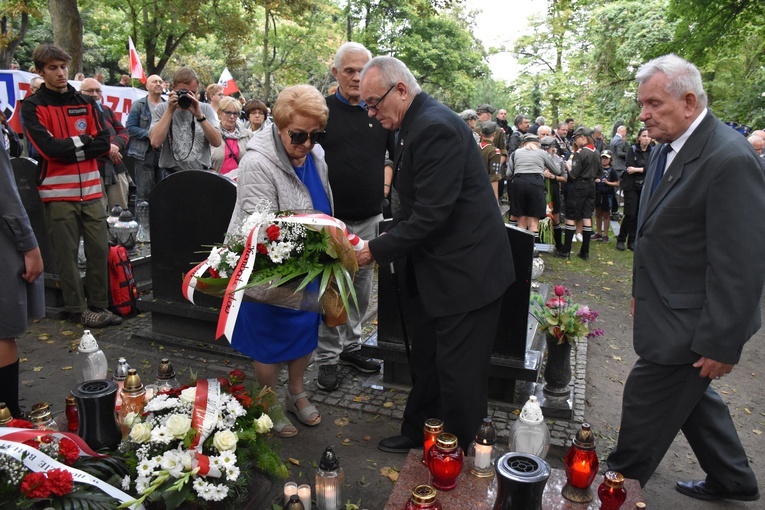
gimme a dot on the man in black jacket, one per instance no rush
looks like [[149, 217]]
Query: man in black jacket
[[458, 260]]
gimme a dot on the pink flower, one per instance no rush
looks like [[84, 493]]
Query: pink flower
[[583, 311], [560, 290], [554, 303]]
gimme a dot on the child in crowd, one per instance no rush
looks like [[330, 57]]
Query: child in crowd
[[605, 187]]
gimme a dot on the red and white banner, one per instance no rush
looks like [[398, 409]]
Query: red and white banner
[[12, 444], [234, 296], [136, 69], [14, 87], [227, 82]]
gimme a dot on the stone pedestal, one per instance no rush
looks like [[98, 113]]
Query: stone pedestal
[[474, 493], [517, 353]]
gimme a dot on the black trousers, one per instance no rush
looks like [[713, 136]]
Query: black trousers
[[661, 400], [628, 228], [450, 368]]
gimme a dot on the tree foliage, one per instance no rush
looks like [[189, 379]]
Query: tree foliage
[[15, 17]]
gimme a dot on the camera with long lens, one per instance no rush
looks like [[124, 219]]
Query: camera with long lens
[[184, 98]]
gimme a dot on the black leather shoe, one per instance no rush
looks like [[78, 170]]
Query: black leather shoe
[[561, 254], [700, 490], [397, 444], [620, 245], [583, 256]]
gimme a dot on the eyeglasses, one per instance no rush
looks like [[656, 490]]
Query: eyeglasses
[[230, 114], [300, 138], [376, 106]]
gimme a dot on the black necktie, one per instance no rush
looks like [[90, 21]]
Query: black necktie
[[661, 163]]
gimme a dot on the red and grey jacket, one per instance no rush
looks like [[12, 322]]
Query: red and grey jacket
[[69, 132]]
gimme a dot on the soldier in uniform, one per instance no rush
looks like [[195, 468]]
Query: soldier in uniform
[[580, 203], [492, 156]]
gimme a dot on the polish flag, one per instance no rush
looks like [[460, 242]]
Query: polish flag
[[227, 82], [136, 69]]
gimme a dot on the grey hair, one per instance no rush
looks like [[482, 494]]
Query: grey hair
[[349, 47], [682, 76], [598, 129], [519, 118], [540, 120], [392, 71]]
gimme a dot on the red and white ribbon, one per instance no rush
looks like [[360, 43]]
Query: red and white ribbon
[[206, 408], [35, 460], [234, 296]]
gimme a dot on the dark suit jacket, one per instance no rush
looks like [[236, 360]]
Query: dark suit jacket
[[699, 267], [448, 222]]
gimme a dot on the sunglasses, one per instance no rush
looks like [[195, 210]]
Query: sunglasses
[[376, 106], [300, 138]]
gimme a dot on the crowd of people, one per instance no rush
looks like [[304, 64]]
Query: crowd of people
[[379, 141]]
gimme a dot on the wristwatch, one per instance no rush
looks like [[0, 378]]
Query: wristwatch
[[202, 119]]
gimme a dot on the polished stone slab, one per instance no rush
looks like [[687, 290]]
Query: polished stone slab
[[472, 493]]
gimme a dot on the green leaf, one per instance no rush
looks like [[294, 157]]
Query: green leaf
[[174, 498]]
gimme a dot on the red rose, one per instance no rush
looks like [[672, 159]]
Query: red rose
[[560, 290], [60, 482], [68, 450], [262, 248], [35, 485], [272, 232], [236, 376]]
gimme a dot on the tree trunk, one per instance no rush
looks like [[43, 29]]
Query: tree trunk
[[6, 52], [67, 30]]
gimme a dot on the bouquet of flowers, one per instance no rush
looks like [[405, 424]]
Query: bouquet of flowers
[[561, 319], [301, 261], [48, 469], [201, 443]]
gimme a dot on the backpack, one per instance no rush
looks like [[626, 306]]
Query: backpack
[[122, 287]]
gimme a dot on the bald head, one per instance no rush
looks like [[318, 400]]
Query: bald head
[[89, 83], [154, 86]]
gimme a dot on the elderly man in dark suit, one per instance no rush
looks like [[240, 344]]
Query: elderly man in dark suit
[[458, 258], [696, 293]]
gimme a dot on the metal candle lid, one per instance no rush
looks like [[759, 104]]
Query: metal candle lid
[[132, 382], [5, 414], [486, 434], [613, 479], [446, 441], [122, 370], [70, 400], [434, 425], [584, 438], [423, 494], [165, 371], [329, 460]]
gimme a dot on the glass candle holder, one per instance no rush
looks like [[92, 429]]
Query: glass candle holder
[[482, 453], [423, 498], [611, 492], [445, 462], [581, 463], [290, 489], [133, 401], [304, 494], [329, 482], [430, 431]]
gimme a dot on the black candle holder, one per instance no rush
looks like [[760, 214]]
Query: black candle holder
[[95, 406]]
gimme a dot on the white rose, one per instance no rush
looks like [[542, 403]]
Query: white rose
[[189, 395], [225, 440], [131, 419], [140, 433], [177, 425], [263, 424]]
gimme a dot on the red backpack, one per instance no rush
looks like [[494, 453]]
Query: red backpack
[[122, 287]]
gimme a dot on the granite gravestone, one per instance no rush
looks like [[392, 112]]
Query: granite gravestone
[[515, 356], [189, 212]]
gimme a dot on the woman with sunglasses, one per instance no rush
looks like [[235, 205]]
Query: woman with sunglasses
[[285, 166], [225, 158]]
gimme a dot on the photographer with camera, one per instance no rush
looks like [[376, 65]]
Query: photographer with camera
[[184, 128]]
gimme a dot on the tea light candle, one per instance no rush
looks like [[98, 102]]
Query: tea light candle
[[482, 456], [290, 488], [304, 493]]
